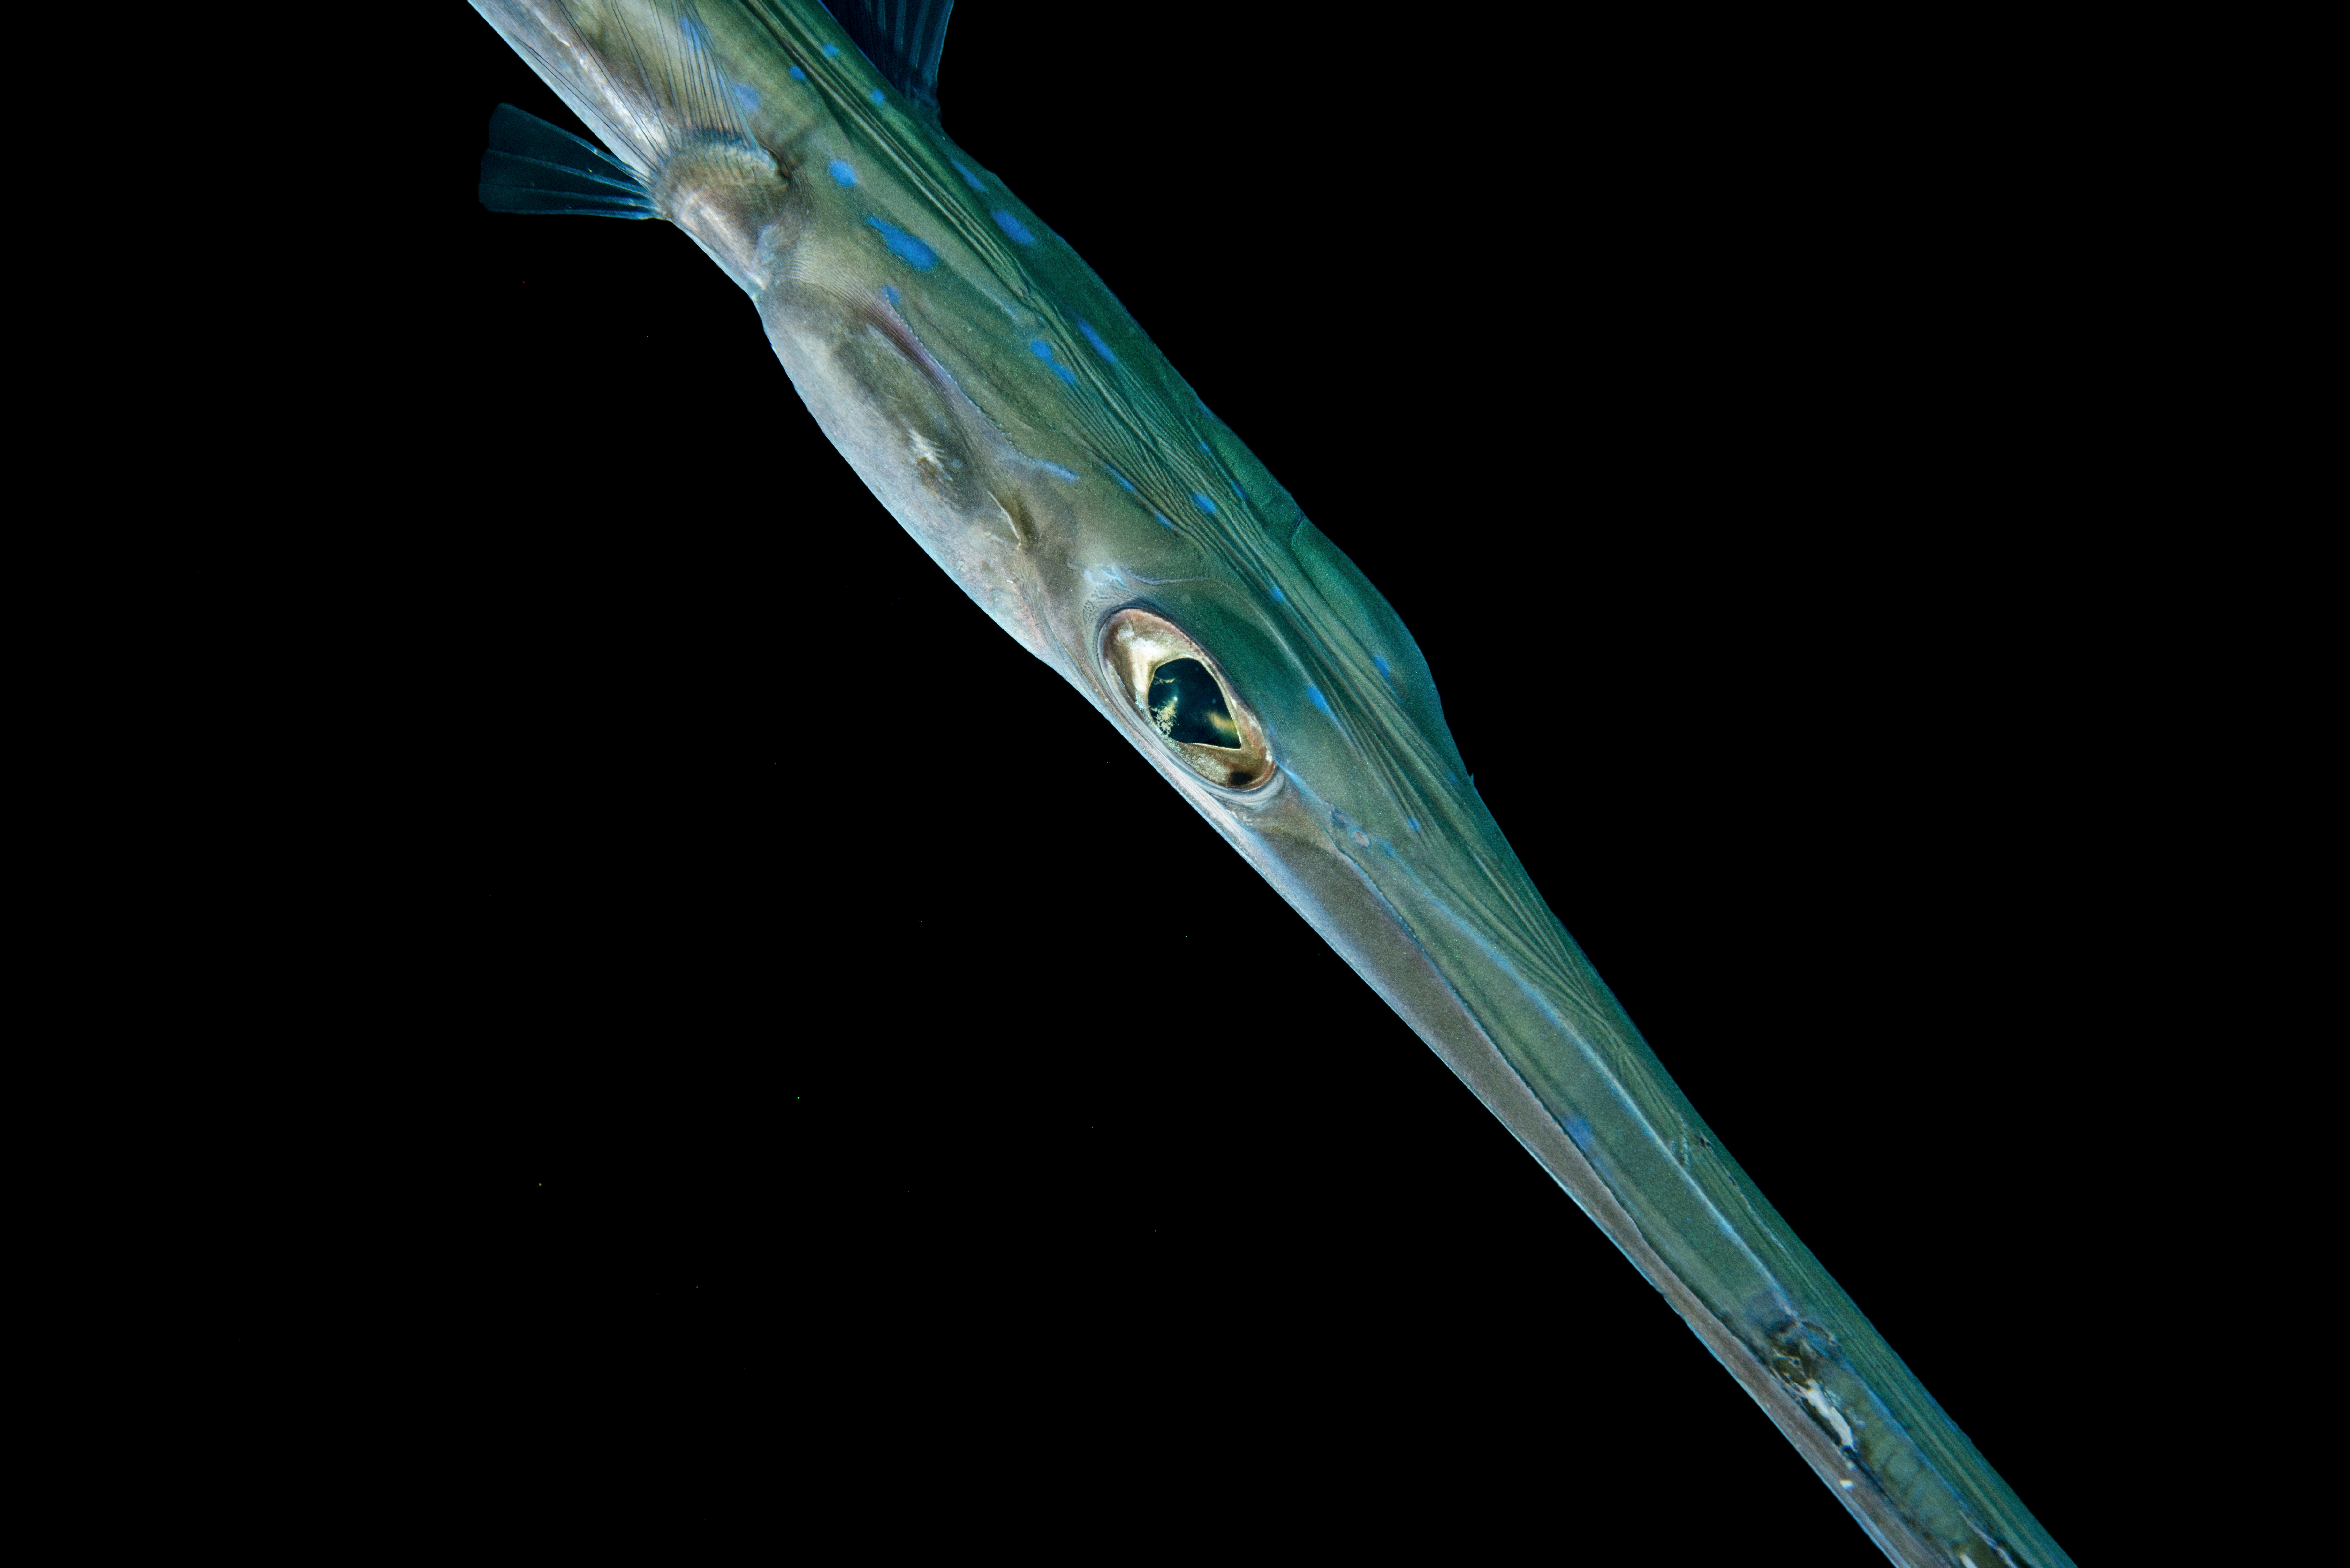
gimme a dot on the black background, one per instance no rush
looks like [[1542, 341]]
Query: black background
[[1714, 409]]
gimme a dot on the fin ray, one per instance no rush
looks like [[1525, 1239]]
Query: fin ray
[[903, 38], [531, 166]]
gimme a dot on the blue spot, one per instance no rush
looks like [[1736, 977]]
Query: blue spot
[[1057, 471], [969, 178], [890, 292], [1044, 350], [1094, 339], [1123, 483], [1413, 823], [1013, 226], [1382, 664], [1279, 597], [747, 97], [1580, 1131], [904, 244], [1203, 504], [842, 174], [1162, 520], [798, 75], [876, 98], [1314, 694], [1209, 450], [832, 51]]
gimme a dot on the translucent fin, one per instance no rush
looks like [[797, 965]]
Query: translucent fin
[[903, 39], [531, 166]]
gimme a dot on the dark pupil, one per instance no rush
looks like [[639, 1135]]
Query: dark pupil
[[1187, 705]]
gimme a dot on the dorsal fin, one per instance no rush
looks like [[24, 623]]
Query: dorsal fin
[[902, 38]]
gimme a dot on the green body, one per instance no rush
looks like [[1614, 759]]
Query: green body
[[1024, 429]]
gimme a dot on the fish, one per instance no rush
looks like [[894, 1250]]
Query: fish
[[902, 241]]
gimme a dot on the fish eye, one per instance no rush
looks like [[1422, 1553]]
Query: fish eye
[[1178, 690], [1187, 705]]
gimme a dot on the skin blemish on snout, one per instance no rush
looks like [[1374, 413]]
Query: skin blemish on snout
[[1812, 1394]]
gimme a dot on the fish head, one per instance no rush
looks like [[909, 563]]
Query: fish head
[[1021, 427]]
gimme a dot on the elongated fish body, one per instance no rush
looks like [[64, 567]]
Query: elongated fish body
[[1023, 429]]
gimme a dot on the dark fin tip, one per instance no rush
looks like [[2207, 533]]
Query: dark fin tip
[[903, 39]]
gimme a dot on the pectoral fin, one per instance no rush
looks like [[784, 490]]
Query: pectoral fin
[[531, 166]]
